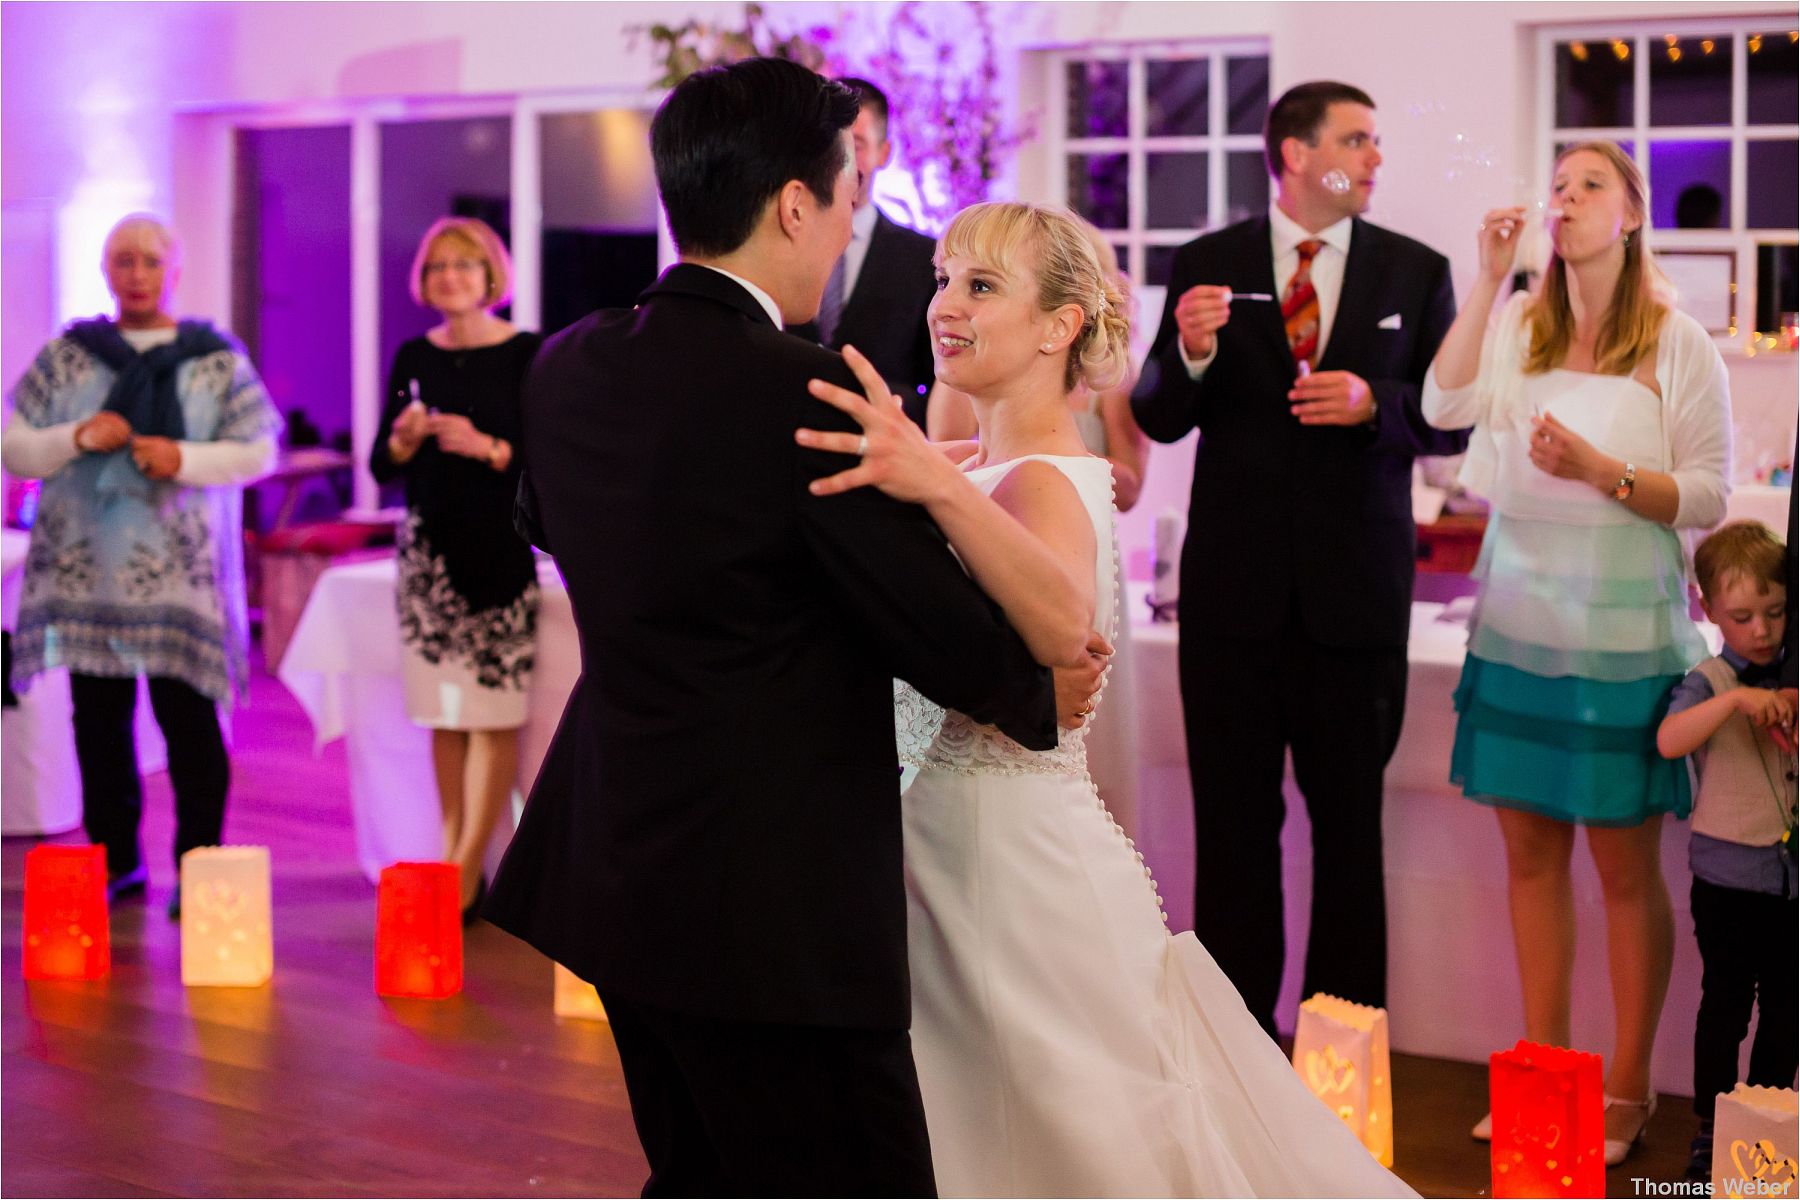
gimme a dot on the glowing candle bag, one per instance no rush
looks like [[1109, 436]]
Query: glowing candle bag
[[227, 932], [1756, 1142], [1549, 1122], [418, 931], [575, 998], [67, 935], [1341, 1051]]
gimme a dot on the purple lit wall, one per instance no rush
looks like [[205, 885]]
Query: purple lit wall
[[296, 308]]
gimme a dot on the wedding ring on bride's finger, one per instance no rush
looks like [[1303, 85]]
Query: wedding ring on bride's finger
[[862, 445]]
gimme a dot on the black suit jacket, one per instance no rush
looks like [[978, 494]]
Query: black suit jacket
[[884, 316], [1284, 518], [716, 827]]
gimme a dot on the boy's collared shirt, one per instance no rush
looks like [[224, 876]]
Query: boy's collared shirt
[[1765, 869]]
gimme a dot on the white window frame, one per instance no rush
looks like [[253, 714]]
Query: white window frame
[[209, 208], [1137, 145], [1645, 38]]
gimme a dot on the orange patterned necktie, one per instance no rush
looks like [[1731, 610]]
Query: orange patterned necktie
[[1300, 306]]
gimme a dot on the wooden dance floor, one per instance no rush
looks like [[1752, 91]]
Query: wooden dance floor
[[313, 1086]]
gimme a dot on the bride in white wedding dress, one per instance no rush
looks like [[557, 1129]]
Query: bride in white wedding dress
[[1067, 1044]]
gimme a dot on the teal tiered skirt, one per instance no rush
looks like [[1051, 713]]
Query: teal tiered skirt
[[1578, 636]]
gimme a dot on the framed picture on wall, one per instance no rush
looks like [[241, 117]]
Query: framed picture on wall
[[1705, 285]]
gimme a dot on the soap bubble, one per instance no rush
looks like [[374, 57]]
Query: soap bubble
[[1336, 182]]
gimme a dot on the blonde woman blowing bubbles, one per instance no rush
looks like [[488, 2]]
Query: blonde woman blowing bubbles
[[1603, 425]]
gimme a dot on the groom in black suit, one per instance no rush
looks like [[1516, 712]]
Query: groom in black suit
[[1296, 578], [876, 295], [714, 838]]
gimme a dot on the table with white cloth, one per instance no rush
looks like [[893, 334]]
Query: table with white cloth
[[1453, 985], [344, 666], [40, 783]]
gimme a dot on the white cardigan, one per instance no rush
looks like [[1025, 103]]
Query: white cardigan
[[1696, 405]]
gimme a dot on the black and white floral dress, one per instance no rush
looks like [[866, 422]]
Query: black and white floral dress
[[467, 592]]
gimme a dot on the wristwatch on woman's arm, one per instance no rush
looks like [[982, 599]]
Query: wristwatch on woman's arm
[[1627, 483]]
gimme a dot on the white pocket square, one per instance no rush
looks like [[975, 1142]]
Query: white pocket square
[[1392, 322]]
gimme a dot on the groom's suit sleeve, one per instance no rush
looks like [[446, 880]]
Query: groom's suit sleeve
[[892, 567]]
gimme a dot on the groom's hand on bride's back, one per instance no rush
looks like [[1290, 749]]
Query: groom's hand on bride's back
[[1075, 686]]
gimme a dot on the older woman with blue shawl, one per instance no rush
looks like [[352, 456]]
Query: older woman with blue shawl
[[144, 429]]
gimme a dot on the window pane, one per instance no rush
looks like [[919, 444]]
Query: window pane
[[1175, 186], [1593, 84], [1777, 271], [1098, 186], [1176, 92], [1770, 169], [1246, 94], [598, 187], [1690, 81], [1122, 255], [1246, 185], [1690, 185], [291, 293], [1098, 95], [431, 169], [1773, 96], [1157, 262]]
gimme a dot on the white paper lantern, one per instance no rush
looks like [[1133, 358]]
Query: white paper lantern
[[226, 928]]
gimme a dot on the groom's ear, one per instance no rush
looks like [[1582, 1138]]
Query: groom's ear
[[794, 205]]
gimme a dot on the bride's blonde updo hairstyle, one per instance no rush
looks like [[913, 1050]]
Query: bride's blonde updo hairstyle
[[1058, 247]]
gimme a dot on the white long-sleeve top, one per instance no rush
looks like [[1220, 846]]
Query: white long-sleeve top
[[32, 453], [1696, 412]]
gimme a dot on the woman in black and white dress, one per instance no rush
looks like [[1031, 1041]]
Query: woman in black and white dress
[[468, 590]]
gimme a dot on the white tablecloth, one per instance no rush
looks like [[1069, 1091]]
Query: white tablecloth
[[1453, 989], [40, 783], [343, 665]]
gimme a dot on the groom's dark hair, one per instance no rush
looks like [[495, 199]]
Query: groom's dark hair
[[729, 138]]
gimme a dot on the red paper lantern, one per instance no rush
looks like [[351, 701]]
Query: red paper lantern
[[1549, 1122], [66, 931], [418, 931]]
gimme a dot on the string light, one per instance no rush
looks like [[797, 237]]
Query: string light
[[1756, 43], [1706, 45], [1674, 53], [1578, 51], [1620, 50]]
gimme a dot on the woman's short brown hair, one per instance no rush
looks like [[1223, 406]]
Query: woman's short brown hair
[[477, 237]]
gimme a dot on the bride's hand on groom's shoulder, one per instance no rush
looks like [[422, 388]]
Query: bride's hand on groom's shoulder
[[895, 455]]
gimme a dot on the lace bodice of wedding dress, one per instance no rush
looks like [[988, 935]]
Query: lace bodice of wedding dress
[[933, 737]]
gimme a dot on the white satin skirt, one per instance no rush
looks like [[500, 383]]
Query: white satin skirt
[[1067, 1044]]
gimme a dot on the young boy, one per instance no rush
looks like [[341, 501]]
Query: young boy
[[1742, 851]]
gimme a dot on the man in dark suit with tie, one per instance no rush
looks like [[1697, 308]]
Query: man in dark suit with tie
[[714, 837], [1296, 577], [876, 295]]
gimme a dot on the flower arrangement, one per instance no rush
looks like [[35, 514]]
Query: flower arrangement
[[937, 62], [682, 49], [940, 68]]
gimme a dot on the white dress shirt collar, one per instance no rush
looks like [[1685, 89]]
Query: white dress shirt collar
[[1287, 233], [761, 297], [862, 236], [862, 222]]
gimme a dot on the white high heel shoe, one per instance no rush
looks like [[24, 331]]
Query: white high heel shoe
[[1615, 1150]]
